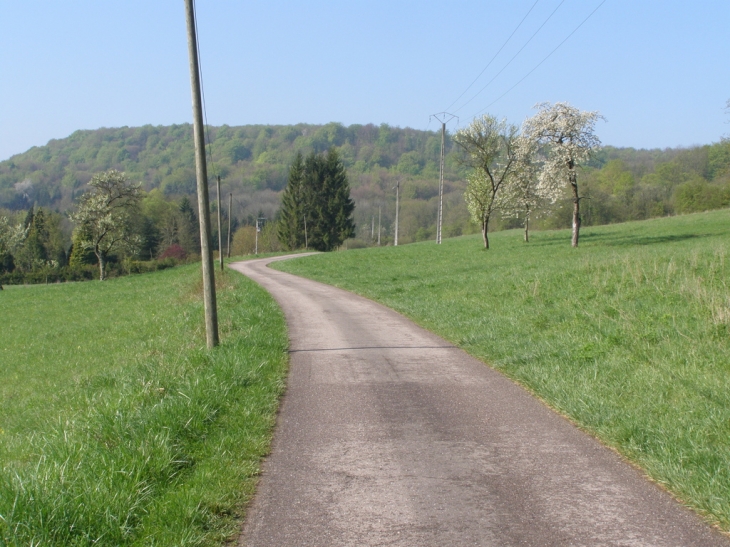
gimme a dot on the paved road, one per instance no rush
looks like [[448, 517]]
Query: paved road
[[388, 435]]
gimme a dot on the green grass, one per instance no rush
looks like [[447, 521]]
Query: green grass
[[117, 425], [628, 335]]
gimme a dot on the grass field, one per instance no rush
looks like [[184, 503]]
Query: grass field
[[628, 335], [117, 426]]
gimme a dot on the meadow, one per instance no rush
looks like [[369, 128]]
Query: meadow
[[628, 335], [118, 426]]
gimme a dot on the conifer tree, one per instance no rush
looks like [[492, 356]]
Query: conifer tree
[[34, 251], [150, 239], [78, 255], [290, 228], [188, 233], [337, 224], [319, 193]]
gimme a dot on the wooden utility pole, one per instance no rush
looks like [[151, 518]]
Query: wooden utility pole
[[201, 172], [397, 207], [444, 118], [230, 206], [259, 223], [380, 210], [220, 231]]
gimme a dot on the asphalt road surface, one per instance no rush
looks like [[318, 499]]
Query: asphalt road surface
[[389, 435]]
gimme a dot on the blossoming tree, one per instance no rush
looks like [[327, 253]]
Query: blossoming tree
[[523, 196], [490, 146], [567, 135], [104, 216]]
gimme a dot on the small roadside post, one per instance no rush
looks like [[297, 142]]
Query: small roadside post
[[259, 223], [397, 207]]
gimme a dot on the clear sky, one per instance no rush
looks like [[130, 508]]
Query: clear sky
[[657, 70]]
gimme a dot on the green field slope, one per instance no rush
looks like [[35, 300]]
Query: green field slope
[[117, 426], [628, 335]]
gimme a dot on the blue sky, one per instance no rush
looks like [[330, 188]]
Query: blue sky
[[658, 71]]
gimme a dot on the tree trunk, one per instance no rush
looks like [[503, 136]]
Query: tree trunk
[[527, 227], [102, 266], [485, 228], [576, 207]]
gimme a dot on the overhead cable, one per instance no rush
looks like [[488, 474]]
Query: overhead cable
[[202, 92], [541, 62], [513, 57], [495, 56]]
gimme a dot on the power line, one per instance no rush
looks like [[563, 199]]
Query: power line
[[206, 128], [541, 62], [513, 57], [202, 92], [495, 55]]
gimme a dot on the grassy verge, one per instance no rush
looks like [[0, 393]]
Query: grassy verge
[[117, 426], [628, 335]]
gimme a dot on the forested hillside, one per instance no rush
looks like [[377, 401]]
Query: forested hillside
[[629, 184], [620, 184], [253, 163]]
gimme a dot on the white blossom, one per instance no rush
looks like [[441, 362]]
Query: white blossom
[[103, 216], [567, 136], [523, 193], [490, 148], [11, 236]]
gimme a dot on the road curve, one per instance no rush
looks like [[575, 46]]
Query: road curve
[[389, 435]]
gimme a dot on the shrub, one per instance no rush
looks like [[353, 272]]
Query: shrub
[[174, 251], [145, 266]]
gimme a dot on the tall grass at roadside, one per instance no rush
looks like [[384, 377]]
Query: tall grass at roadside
[[118, 426], [628, 335]]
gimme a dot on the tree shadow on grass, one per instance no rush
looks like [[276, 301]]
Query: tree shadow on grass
[[613, 240], [617, 238]]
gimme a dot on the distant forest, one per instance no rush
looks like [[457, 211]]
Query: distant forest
[[620, 183]]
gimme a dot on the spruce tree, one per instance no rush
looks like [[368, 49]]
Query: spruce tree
[[78, 255], [312, 200], [189, 230], [150, 239], [318, 193], [327, 201], [290, 228], [337, 224], [33, 253]]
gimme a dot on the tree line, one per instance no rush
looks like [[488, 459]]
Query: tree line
[[616, 184], [620, 183], [115, 220], [115, 229], [254, 157]]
